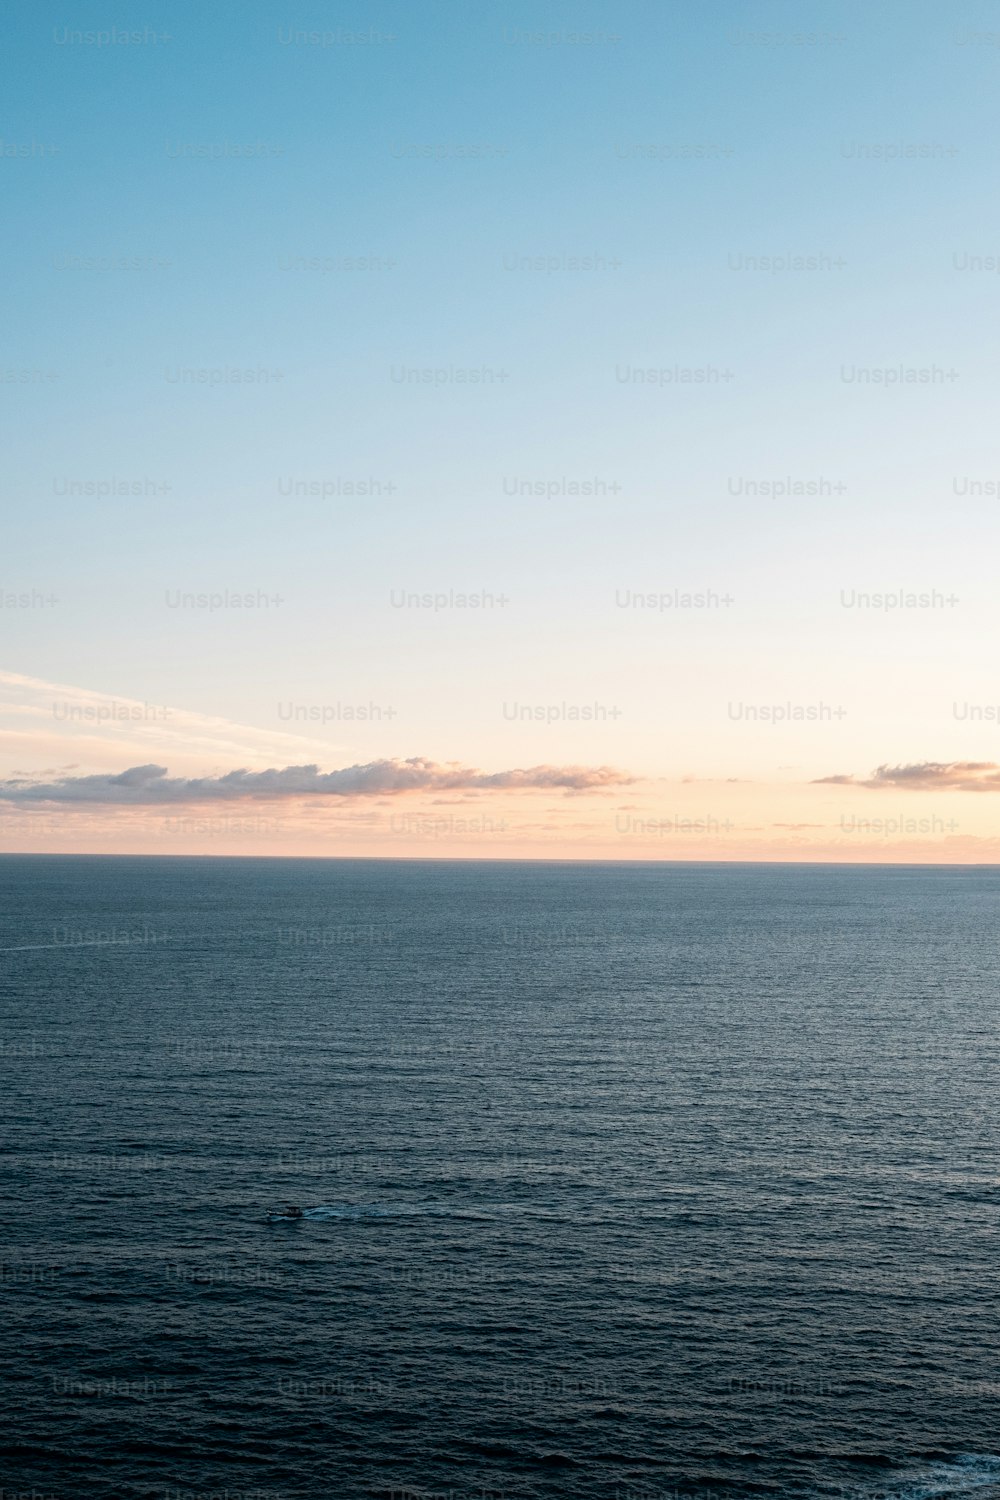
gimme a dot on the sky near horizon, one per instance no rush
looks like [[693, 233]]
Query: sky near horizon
[[568, 429]]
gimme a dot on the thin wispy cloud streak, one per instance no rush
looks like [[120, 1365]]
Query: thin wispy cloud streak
[[33, 710], [926, 776], [151, 785]]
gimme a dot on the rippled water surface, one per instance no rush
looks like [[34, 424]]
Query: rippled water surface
[[620, 1181]]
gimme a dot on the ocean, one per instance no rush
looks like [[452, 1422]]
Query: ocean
[[620, 1181]]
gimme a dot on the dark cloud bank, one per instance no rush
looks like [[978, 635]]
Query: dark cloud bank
[[927, 776], [145, 785]]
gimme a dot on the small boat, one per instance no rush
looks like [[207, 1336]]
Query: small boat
[[290, 1211]]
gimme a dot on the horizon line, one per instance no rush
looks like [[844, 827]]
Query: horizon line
[[453, 859]]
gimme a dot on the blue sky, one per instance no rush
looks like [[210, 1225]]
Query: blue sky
[[675, 144]]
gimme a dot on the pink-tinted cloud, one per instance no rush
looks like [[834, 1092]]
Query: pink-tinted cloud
[[927, 776], [151, 785]]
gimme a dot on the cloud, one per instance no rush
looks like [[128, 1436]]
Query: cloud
[[151, 785], [927, 776], [51, 718], [714, 780]]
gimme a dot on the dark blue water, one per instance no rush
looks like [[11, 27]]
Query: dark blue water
[[623, 1181]]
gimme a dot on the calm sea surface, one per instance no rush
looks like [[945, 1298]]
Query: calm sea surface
[[622, 1181]]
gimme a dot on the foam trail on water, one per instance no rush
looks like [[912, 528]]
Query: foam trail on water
[[964, 1474], [37, 947]]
